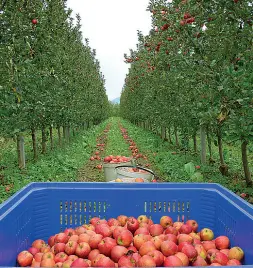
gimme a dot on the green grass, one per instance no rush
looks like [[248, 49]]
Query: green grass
[[61, 164], [171, 167], [116, 144]]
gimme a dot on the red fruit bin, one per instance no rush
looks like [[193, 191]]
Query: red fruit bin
[[43, 209]]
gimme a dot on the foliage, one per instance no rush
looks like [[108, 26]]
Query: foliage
[[49, 77], [194, 69]]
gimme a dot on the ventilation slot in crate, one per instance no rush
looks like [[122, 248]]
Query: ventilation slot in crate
[[178, 210], [226, 222], [23, 231], [76, 213]]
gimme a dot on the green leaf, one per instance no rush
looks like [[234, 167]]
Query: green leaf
[[189, 168]]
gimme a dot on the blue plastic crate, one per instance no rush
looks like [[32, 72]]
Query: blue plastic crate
[[42, 209]]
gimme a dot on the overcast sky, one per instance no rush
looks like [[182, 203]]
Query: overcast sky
[[111, 26]]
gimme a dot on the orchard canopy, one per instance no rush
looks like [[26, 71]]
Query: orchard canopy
[[194, 71], [48, 76]]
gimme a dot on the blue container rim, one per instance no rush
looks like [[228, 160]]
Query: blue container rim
[[224, 192]]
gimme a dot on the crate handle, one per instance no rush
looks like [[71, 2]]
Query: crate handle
[[139, 167]]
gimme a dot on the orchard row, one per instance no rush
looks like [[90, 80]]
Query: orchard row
[[192, 76], [49, 78]]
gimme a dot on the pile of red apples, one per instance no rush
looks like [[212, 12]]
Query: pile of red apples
[[132, 242]]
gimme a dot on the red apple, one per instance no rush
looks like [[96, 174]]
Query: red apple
[[146, 247], [38, 244], [168, 248], [89, 227], [220, 258], [95, 240], [92, 255], [113, 222], [34, 21], [70, 247], [51, 240], [117, 252], [61, 238], [199, 262], [83, 238], [45, 248], [171, 230], [94, 220], [38, 256], [33, 251], [59, 247], [117, 231], [156, 229], [146, 261], [105, 262], [132, 224], [225, 251], [210, 252], [183, 258], [166, 221], [142, 230], [127, 261], [79, 263], [208, 245], [132, 248], [80, 230], [140, 239], [182, 244], [72, 258], [74, 238], [177, 224], [60, 257], [103, 229], [222, 242], [37, 264], [47, 260], [157, 256], [106, 245], [171, 237], [25, 258], [122, 220], [83, 249], [125, 238], [193, 224], [201, 251], [172, 261], [233, 262], [184, 238], [190, 252], [69, 232], [185, 229], [157, 241], [194, 236]]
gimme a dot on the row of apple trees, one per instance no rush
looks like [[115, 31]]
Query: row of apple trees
[[49, 78], [193, 75]]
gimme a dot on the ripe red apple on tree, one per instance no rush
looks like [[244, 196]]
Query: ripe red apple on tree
[[34, 21]]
